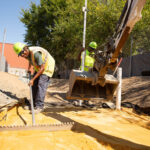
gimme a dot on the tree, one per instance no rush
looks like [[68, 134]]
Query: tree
[[40, 21], [140, 33], [57, 25]]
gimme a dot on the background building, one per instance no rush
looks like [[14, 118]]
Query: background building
[[10, 62]]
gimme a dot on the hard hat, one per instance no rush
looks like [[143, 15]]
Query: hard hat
[[93, 45], [18, 47]]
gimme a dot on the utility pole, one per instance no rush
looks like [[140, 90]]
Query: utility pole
[[2, 55], [84, 36]]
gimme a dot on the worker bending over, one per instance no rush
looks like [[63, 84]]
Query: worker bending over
[[43, 64]]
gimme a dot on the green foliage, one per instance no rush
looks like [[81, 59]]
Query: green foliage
[[140, 33], [57, 25]]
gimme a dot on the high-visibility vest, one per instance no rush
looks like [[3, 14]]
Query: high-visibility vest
[[48, 60], [89, 61]]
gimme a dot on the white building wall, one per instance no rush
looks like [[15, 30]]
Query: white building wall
[[17, 71], [21, 73]]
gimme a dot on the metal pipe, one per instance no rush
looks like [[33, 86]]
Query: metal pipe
[[4, 38], [31, 101], [84, 36], [118, 94]]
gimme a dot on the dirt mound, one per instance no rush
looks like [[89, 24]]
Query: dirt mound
[[136, 90], [11, 88], [59, 85]]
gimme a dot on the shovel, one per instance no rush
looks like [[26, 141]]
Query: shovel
[[31, 102]]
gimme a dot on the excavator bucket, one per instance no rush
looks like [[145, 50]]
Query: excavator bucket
[[81, 86]]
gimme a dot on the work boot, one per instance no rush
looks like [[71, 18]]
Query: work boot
[[37, 110]]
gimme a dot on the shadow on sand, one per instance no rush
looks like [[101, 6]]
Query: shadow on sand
[[103, 138]]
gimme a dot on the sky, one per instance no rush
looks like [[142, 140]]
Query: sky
[[10, 12]]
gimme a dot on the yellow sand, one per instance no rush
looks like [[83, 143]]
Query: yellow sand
[[95, 130]]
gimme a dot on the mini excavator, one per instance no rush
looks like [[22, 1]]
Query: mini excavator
[[97, 83]]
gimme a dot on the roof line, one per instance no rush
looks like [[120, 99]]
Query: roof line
[[6, 43]]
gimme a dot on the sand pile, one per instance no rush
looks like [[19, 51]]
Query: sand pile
[[96, 129]]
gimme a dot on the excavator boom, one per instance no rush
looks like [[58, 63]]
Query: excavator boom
[[96, 83]]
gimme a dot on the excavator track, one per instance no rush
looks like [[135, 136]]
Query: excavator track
[[45, 127]]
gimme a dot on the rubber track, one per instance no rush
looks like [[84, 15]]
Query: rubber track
[[48, 127]]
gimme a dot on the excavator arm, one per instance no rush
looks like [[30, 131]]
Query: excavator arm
[[97, 84], [108, 58]]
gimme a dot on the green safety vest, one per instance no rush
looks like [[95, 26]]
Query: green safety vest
[[89, 61], [49, 62]]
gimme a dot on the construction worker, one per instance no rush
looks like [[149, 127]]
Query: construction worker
[[89, 60], [43, 64], [89, 57]]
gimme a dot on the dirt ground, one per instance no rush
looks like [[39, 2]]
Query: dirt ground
[[96, 128]]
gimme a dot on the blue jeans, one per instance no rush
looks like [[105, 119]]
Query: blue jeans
[[39, 90]]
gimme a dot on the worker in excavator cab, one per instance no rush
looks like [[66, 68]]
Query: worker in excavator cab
[[89, 57], [44, 65]]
